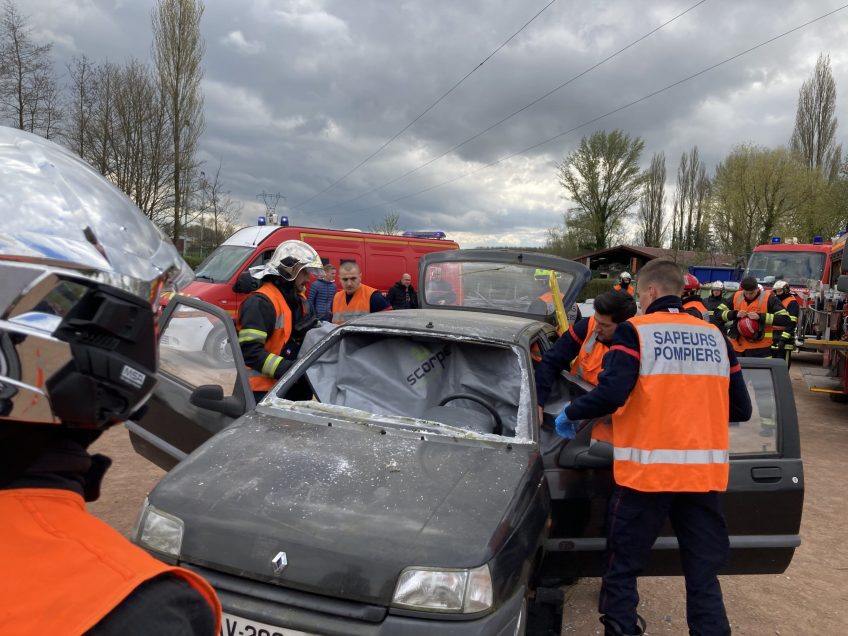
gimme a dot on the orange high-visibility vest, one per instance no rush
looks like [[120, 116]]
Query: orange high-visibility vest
[[695, 303], [64, 569], [359, 305], [588, 366], [629, 289], [760, 306], [660, 443], [274, 342]]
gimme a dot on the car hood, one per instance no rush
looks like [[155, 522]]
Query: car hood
[[351, 506]]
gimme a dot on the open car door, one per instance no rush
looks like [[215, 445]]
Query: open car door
[[202, 383], [762, 505], [499, 281]]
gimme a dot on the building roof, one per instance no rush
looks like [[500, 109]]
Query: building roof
[[688, 257]]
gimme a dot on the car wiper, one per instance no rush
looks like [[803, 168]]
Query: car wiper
[[483, 271], [204, 277]]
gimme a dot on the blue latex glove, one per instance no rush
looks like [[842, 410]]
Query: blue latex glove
[[565, 427]]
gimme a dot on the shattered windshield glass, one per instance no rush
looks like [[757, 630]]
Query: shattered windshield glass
[[453, 386], [484, 285]]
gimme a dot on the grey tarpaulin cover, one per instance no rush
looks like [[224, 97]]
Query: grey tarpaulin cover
[[402, 375]]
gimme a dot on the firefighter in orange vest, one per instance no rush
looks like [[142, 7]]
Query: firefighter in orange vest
[[624, 283], [669, 461], [692, 303], [273, 320], [355, 299], [766, 312], [82, 269], [784, 337], [582, 348]]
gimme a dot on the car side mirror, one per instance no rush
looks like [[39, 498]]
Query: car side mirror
[[245, 283], [211, 397], [842, 283]]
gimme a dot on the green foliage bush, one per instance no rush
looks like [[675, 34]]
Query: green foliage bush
[[193, 261], [596, 286]]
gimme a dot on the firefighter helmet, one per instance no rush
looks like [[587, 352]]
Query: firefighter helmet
[[780, 286], [82, 269], [747, 327], [690, 283], [625, 276], [290, 258]]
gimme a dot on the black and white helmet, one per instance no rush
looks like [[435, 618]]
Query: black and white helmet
[[81, 271], [780, 286]]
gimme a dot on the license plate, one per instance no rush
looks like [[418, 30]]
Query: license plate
[[237, 626]]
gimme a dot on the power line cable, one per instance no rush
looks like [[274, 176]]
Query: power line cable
[[426, 110], [609, 113], [514, 113]]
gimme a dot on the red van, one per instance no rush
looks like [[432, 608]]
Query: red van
[[382, 258]]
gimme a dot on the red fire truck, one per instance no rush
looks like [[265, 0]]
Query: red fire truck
[[805, 266]]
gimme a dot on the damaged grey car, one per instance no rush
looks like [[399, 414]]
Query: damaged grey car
[[417, 492]]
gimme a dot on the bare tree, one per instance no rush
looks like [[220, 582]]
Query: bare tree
[[218, 205], [651, 226], [602, 176], [814, 137], [689, 220], [178, 53], [29, 95], [390, 225], [80, 104]]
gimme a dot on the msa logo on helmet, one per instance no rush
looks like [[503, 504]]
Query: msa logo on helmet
[[428, 365], [133, 377]]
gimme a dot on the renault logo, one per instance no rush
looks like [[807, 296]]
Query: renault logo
[[279, 562]]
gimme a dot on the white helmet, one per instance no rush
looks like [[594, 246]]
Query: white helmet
[[625, 276], [289, 259], [718, 285], [781, 284]]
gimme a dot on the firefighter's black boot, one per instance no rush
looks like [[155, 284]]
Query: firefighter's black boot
[[612, 628]]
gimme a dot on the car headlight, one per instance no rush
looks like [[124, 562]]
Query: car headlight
[[460, 591], [159, 531]]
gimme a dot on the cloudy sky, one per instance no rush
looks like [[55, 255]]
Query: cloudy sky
[[299, 92]]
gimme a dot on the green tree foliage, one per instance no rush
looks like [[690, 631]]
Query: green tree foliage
[[651, 226], [756, 191], [390, 225], [814, 136], [604, 179]]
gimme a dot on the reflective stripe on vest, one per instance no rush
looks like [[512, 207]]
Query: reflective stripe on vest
[[787, 300], [65, 570], [699, 306], [760, 306], [274, 342], [661, 444], [359, 305], [588, 363]]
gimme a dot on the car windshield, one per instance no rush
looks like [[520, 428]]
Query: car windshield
[[796, 268], [509, 287], [223, 263], [456, 386]]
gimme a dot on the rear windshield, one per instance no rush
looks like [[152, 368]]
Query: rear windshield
[[499, 286], [221, 264]]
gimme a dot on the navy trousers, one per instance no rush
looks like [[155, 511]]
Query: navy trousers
[[633, 524]]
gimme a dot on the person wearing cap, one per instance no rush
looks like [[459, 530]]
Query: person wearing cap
[[81, 272], [784, 337], [670, 461], [402, 295], [764, 312], [692, 303], [274, 319], [322, 290], [355, 299], [624, 281]]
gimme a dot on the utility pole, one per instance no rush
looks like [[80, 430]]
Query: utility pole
[[270, 201]]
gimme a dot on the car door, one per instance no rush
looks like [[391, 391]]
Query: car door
[[200, 391], [762, 504]]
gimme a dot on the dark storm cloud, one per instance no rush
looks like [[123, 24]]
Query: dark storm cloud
[[297, 93]]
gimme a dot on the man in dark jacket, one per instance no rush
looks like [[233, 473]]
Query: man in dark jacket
[[402, 294]]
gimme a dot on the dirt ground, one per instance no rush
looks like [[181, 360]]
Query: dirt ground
[[811, 597]]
